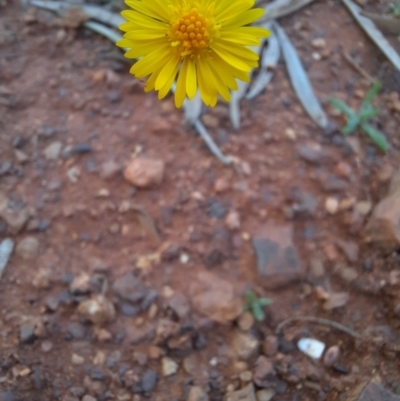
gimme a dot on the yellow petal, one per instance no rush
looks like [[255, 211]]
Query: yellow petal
[[245, 18], [180, 91], [191, 80], [169, 69]]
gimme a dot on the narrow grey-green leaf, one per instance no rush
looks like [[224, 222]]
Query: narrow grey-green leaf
[[300, 81], [374, 33], [269, 59], [377, 137]]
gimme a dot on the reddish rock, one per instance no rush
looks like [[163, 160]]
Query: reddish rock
[[278, 261], [350, 249], [214, 297], [373, 391], [99, 310], [383, 228], [270, 345], [145, 172], [263, 370]]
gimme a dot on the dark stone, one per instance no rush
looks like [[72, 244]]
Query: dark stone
[[148, 300], [199, 341], [333, 183], [52, 303], [368, 265], [308, 232], [18, 142], [64, 297], [341, 369], [216, 209], [90, 166], [6, 396], [338, 140], [219, 248], [5, 167], [129, 310], [137, 388], [67, 278], [27, 335], [286, 346], [309, 154], [37, 378], [130, 288], [373, 391], [77, 391], [113, 358], [278, 260], [171, 253], [81, 148], [96, 374], [46, 130], [114, 96], [76, 330], [149, 380]]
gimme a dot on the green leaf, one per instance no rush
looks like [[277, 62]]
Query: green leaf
[[258, 312], [377, 137], [250, 298], [341, 106], [367, 113], [369, 97], [352, 124], [264, 301]]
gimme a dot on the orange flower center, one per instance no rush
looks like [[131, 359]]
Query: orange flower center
[[191, 33]]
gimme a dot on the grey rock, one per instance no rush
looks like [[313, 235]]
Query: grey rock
[[47, 130], [168, 366], [216, 209], [350, 249], [245, 345], [6, 396], [129, 310], [27, 334], [311, 154], [6, 248], [373, 391], [130, 288], [332, 183], [245, 394], [15, 219], [331, 355], [52, 151], [76, 330], [316, 269], [149, 380], [265, 395], [264, 369], [196, 393], [113, 358], [278, 260], [77, 391], [28, 248], [179, 304], [52, 303]]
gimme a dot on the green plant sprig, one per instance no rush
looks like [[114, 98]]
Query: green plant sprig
[[256, 305], [361, 118]]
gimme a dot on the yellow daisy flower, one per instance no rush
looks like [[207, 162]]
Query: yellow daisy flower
[[202, 44]]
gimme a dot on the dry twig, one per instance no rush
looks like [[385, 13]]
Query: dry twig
[[318, 320]]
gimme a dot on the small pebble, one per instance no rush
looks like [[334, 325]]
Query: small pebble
[[331, 205]]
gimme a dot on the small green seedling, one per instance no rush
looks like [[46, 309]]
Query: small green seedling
[[360, 119], [256, 305]]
